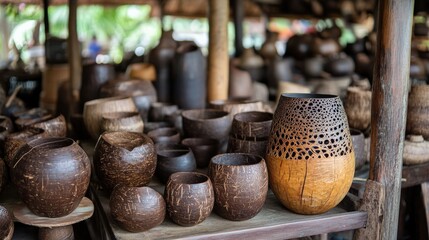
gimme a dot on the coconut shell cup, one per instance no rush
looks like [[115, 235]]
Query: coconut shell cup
[[206, 123], [418, 110], [173, 158], [125, 158], [6, 224], [358, 140], [122, 121], [357, 105], [164, 135], [251, 125], [51, 175], [189, 197], [16, 140], [54, 125], [203, 149], [240, 183], [137, 209], [93, 112]]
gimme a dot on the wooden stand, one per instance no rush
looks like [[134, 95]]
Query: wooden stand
[[55, 228]]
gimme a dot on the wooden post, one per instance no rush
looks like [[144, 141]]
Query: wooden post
[[238, 14], [218, 60], [74, 53], [46, 17], [389, 105]]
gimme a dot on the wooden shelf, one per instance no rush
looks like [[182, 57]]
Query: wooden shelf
[[273, 222]]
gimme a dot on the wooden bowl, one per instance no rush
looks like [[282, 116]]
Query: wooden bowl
[[6, 224], [358, 140], [251, 146], [125, 158], [164, 135], [16, 140], [173, 158], [122, 121], [203, 149], [358, 108], [94, 110], [51, 175], [137, 209], [206, 123], [310, 156], [251, 125], [159, 110], [240, 183], [189, 197]]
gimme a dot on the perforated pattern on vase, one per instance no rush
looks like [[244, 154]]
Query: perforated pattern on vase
[[310, 128]]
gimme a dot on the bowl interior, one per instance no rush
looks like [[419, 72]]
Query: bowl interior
[[189, 178], [127, 140]]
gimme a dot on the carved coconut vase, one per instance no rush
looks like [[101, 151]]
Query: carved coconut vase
[[51, 175], [310, 156]]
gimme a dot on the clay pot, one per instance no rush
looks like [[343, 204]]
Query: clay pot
[[325, 47], [6, 224], [51, 175], [203, 149], [358, 140], [141, 71], [207, 123], [137, 209], [299, 46], [159, 111], [122, 121], [189, 69], [340, 66], [254, 125], [149, 126], [357, 105], [418, 109], [268, 49], [237, 106], [15, 141], [251, 146], [125, 158], [93, 77], [164, 135], [161, 56], [173, 158], [94, 110], [189, 198], [240, 183], [310, 154]]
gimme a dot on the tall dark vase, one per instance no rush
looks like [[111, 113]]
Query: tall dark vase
[[93, 77], [189, 84], [161, 56]]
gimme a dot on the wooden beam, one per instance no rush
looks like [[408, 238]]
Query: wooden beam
[[74, 54], [389, 105], [238, 16], [218, 60], [46, 17]]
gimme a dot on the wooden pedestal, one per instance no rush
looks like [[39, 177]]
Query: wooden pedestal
[[55, 228]]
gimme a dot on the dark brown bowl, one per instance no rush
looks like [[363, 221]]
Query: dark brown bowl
[[51, 175], [16, 140], [159, 111], [6, 224], [164, 135], [253, 146], [358, 140], [240, 183], [54, 125], [251, 125], [203, 149], [206, 123], [189, 197], [126, 158], [173, 158], [137, 209]]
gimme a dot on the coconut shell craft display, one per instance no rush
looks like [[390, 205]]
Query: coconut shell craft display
[[310, 156], [51, 175], [125, 158], [137, 209]]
